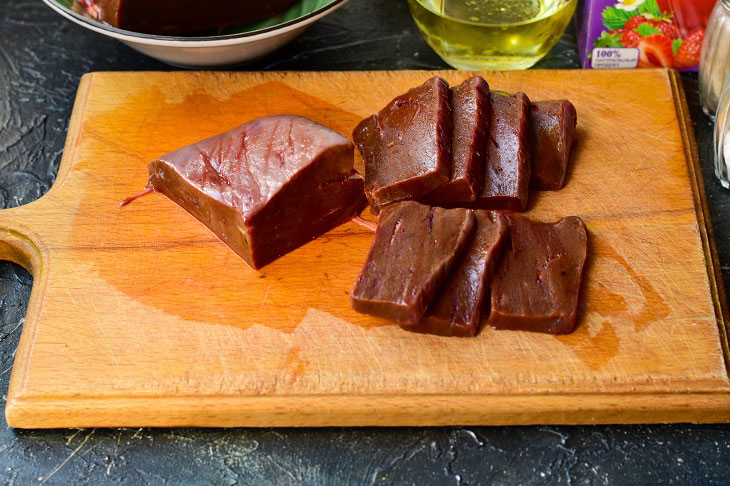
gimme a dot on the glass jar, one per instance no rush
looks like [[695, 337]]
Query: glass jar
[[492, 34], [722, 137], [715, 57]]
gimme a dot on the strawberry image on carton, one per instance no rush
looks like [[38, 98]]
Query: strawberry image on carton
[[642, 33]]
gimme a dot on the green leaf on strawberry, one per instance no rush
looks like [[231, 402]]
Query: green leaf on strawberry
[[650, 9], [645, 30], [608, 40], [675, 45], [614, 18]]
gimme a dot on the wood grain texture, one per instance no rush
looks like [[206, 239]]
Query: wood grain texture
[[140, 316]]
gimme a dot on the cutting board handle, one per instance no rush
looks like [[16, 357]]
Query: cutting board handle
[[18, 243]]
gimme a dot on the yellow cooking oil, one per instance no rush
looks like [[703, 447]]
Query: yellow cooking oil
[[492, 34]]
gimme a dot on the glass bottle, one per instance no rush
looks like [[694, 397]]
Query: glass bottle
[[722, 137], [715, 57]]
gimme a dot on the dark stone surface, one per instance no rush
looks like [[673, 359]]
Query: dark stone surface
[[41, 60]]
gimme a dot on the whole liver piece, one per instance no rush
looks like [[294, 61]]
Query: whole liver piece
[[265, 187], [173, 17], [414, 250], [456, 310], [407, 146], [537, 285], [507, 171], [470, 115], [552, 132]]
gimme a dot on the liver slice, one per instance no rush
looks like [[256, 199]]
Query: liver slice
[[407, 146], [414, 250], [470, 115], [265, 187], [537, 284], [507, 171], [456, 310], [368, 141], [173, 17], [552, 131]]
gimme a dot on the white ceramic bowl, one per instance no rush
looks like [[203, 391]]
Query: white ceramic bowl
[[201, 52]]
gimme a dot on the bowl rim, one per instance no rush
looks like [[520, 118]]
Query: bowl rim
[[140, 37]]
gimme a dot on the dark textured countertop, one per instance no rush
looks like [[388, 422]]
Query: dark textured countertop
[[42, 58]]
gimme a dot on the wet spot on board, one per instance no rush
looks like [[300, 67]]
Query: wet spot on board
[[596, 350], [653, 308], [294, 364]]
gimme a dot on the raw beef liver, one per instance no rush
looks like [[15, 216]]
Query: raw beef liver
[[414, 250], [552, 130], [265, 187], [537, 284], [174, 17], [368, 141], [407, 146], [470, 115], [507, 171], [456, 310]]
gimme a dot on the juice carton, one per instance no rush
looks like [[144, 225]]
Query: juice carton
[[642, 33]]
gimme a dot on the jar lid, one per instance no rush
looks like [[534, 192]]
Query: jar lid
[[726, 4]]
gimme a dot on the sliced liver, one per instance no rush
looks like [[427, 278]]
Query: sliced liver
[[174, 17], [507, 168], [414, 250], [368, 141], [456, 310], [552, 131], [265, 187], [407, 146], [470, 115], [537, 285]]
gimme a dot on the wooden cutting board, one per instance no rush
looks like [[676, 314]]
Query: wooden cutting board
[[140, 317]]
